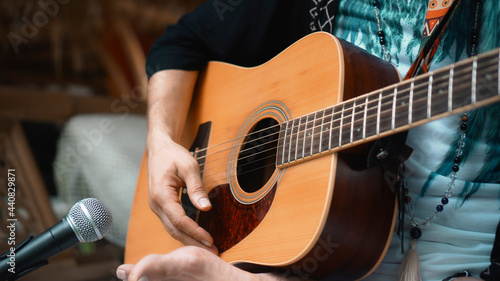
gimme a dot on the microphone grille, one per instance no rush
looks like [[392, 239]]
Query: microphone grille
[[90, 219]]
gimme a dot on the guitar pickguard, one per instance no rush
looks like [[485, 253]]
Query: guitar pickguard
[[229, 221], [198, 149]]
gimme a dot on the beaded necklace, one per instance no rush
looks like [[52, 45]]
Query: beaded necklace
[[416, 231], [380, 33], [409, 265]]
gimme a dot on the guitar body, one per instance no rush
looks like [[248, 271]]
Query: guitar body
[[322, 217]]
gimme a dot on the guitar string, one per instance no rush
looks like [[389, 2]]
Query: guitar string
[[262, 166], [225, 163], [389, 97], [457, 66], [370, 118], [224, 171], [348, 116]]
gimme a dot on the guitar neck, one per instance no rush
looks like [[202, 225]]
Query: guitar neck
[[460, 87]]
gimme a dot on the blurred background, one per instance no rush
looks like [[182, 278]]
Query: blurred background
[[72, 124]]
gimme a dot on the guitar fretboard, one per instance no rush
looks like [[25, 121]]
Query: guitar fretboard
[[460, 87]]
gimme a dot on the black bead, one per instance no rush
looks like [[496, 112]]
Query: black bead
[[439, 208], [381, 33], [415, 233], [444, 200], [456, 160], [455, 168], [382, 41], [375, 3], [463, 127]]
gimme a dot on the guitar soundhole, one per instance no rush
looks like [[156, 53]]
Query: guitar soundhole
[[257, 157]]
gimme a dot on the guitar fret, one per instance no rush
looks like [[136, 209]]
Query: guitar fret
[[341, 125], [303, 140], [474, 78], [461, 90], [410, 100], [402, 105], [393, 119], [386, 113], [316, 142], [364, 117], [312, 134], [283, 145], [371, 115], [485, 82], [286, 153], [358, 120], [419, 102], [439, 94], [347, 127], [450, 88], [305, 137], [297, 139], [336, 127], [326, 130], [300, 141], [321, 132], [352, 121], [429, 97], [331, 130], [378, 112], [290, 147]]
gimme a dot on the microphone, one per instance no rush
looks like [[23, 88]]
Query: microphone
[[87, 221]]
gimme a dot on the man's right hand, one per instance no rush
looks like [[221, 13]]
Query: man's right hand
[[170, 165]]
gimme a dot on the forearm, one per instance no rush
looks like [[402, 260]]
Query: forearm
[[169, 98]]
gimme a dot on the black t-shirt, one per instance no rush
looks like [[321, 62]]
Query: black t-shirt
[[241, 32]]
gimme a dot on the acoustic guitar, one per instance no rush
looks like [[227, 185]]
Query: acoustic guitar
[[283, 149]]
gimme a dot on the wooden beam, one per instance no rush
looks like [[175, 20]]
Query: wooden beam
[[136, 58], [38, 105], [29, 191]]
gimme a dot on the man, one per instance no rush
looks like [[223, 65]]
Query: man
[[249, 33]]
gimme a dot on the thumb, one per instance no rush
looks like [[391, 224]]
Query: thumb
[[197, 194]]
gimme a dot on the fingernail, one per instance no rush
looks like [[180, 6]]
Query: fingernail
[[206, 243], [144, 278], [204, 202], [121, 274]]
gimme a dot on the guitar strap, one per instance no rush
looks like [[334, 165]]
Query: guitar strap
[[431, 37], [436, 22]]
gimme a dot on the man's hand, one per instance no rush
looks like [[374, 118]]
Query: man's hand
[[191, 264], [171, 166]]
